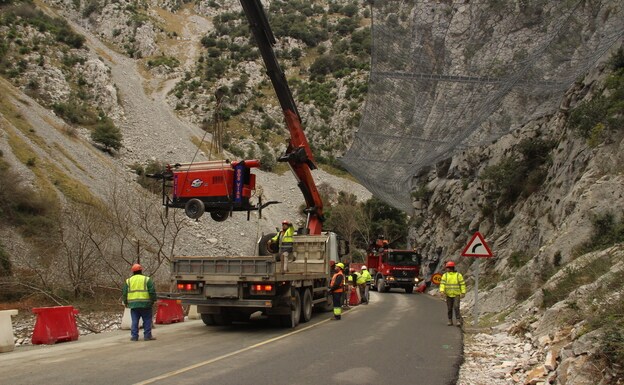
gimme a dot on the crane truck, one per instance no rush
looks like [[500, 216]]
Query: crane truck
[[232, 288]]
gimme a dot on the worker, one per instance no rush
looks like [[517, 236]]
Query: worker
[[285, 242], [139, 295], [336, 288], [364, 281], [453, 287]]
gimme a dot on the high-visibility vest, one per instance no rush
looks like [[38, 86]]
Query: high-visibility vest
[[137, 289], [333, 281], [452, 284], [361, 278], [285, 237], [367, 276]]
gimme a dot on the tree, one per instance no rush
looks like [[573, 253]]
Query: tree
[[347, 217], [107, 134], [387, 220]]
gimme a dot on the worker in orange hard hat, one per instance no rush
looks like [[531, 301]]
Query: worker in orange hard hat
[[453, 287], [285, 242], [139, 295]]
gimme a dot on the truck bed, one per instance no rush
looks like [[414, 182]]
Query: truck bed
[[309, 262]]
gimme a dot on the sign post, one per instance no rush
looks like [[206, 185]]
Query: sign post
[[477, 248]]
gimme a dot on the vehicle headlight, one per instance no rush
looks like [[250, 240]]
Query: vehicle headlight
[[416, 280], [390, 278]]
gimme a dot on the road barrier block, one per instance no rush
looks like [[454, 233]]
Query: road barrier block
[[169, 310], [7, 339], [192, 313], [126, 320], [55, 324]]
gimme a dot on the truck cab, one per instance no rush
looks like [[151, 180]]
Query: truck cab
[[393, 268]]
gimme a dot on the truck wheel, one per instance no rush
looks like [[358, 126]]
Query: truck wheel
[[381, 286], [409, 289], [292, 320], [263, 246], [306, 306], [221, 319], [208, 320], [194, 208], [219, 216]]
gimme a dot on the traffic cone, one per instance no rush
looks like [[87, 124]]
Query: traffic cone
[[354, 298]]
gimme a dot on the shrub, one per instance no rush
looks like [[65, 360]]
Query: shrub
[[151, 184], [107, 134], [519, 258], [606, 233], [168, 61], [574, 278], [5, 263]]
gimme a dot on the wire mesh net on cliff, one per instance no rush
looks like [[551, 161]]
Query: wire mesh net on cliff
[[449, 75]]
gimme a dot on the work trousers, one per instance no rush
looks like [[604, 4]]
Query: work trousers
[[337, 299], [144, 313], [452, 305], [363, 292], [285, 255]]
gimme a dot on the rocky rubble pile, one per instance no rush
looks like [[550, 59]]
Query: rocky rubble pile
[[499, 357]]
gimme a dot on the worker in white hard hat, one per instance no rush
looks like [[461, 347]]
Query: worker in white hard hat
[[364, 281], [285, 242]]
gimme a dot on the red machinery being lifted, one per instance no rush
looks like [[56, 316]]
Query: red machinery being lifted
[[237, 182], [218, 187]]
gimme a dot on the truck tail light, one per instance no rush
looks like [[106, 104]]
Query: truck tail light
[[262, 289], [187, 286]]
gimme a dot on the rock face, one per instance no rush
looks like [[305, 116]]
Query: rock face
[[542, 280]]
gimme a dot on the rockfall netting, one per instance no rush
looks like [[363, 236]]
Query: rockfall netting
[[446, 75]]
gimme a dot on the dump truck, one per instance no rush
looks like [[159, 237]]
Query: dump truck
[[231, 289]]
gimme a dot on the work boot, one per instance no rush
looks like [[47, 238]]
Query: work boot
[[134, 338], [450, 323], [150, 338]]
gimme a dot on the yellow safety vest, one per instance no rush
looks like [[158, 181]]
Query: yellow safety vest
[[452, 284], [137, 289], [365, 276], [285, 237]]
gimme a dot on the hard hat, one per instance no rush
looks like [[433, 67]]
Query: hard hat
[[340, 265], [450, 264], [363, 267], [285, 222], [136, 267]]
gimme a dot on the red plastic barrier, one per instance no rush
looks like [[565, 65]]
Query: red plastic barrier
[[55, 324], [421, 288], [169, 310], [353, 297]]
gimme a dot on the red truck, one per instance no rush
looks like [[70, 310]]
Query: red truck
[[392, 268]]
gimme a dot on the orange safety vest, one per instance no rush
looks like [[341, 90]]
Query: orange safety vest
[[331, 284]]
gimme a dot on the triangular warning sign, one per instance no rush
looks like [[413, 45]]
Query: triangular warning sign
[[477, 247]]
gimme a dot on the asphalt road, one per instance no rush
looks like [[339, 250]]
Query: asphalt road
[[397, 339]]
